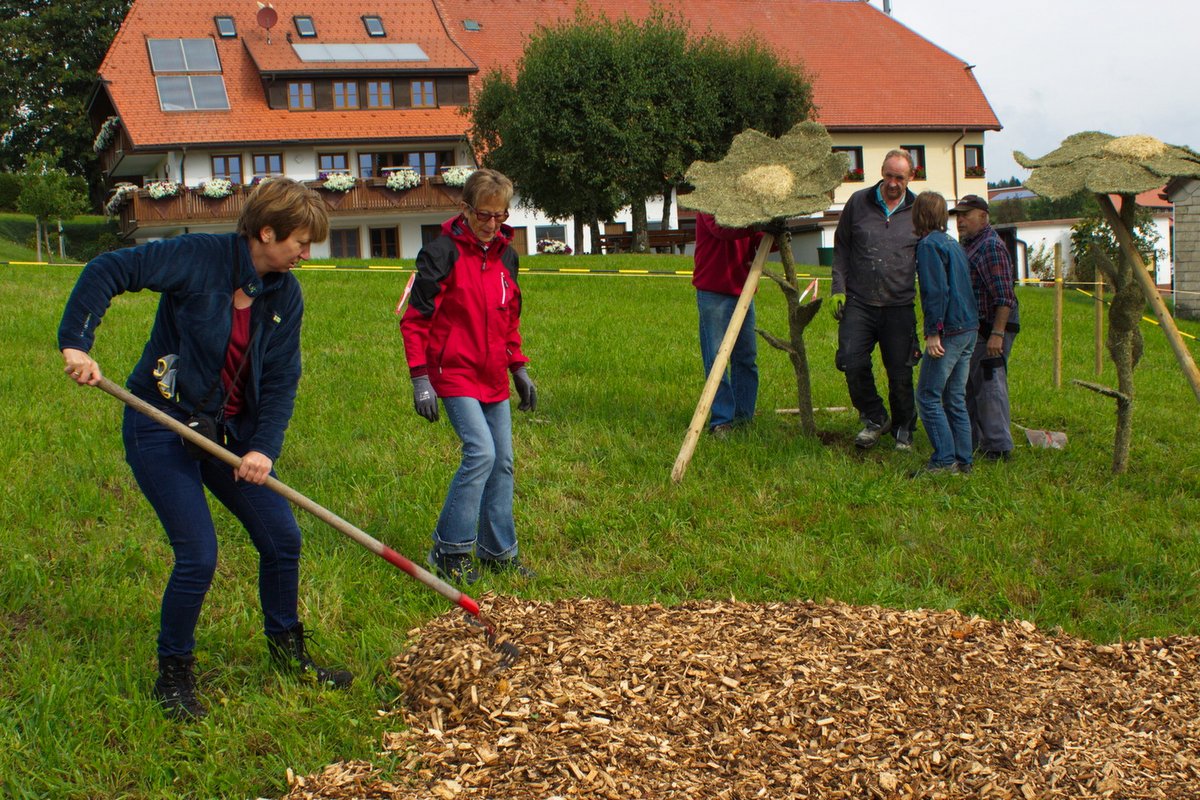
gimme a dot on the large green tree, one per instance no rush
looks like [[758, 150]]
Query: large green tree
[[52, 50], [600, 113]]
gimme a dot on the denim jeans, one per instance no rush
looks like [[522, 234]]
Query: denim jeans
[[894, 329], [174, 483], [478, 512], [942, 400], [738, 390], [987, 398]]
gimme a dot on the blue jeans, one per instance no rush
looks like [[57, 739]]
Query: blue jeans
[[478, 512], [942, 400], [174, 483], [738, 390]]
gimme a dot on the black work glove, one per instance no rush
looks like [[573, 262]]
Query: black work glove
[[525, 389], [425, 398]]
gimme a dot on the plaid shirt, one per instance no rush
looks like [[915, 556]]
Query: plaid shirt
[[991, 275]]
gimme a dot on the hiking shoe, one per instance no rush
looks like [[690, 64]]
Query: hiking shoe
[[869, 436], [722, 430], [930, 470], [507, 565], [903, 439], [289, 651], [963, 469], [995, 455], [454, 567], [175, 689]]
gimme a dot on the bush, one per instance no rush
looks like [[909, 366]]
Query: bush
[[10, 190]]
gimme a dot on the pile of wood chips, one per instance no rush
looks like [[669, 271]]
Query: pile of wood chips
[[787, 700]]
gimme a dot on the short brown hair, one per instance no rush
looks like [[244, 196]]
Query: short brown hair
[[929, 213], [284, 206], [487, 183]]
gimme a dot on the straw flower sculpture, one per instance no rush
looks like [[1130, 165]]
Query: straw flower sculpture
[[763, 179], [1106, 164]]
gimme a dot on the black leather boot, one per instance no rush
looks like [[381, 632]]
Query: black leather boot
[[290, 652], [175, 689]]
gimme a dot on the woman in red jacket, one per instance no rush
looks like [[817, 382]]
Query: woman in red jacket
[[462, 340]]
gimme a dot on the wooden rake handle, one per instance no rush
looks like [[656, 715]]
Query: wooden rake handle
[[722, 360], [279, 487]]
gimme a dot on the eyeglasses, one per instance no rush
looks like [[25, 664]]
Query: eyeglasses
[[484, 216]]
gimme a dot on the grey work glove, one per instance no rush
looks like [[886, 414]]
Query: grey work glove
[[525, 390], [425, 398]]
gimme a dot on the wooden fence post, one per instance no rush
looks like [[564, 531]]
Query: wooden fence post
[[1099, 322], [1058, 315]]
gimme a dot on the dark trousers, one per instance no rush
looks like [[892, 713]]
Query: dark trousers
[[174, 483], [894, 329]]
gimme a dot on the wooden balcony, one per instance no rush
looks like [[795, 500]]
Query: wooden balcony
[[366, 197]]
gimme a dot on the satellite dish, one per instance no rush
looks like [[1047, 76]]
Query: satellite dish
[[267, 17]]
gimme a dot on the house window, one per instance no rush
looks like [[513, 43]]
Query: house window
[[385, 243], [854, 162], [374, 165], [225, 27], [917, 152], [379, 94], [300, 95], [331, 162], [558, 232], [345, 94], [422, 95], [973, 160], [343, 243], [374, 26], [266, 165], [472, 25], [227, 167], [429, 164], [305, 27], [429, 233]]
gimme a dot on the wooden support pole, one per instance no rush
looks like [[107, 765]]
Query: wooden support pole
[[722, 360], [1058, 315], [1150, 290], [1099, 308]]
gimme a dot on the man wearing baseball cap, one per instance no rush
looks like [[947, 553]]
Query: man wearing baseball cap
[[993, 280]]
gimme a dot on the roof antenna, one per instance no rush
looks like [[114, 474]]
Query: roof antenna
[[267, 17]]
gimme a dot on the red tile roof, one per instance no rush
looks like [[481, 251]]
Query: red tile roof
[[130, 83], [868, 70]]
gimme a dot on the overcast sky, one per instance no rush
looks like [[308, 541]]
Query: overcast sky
[[1051, 68]]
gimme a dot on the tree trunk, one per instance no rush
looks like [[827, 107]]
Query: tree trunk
[[594, 223], [666, 207], [1124, 339], [577, 226], [641, 243], [799, 316], [37, 236]]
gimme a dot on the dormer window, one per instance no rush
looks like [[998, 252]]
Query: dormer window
[[374, 26], [225, 27], [305, 26]]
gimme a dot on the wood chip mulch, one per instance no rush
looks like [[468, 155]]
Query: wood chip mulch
[[795, 700]]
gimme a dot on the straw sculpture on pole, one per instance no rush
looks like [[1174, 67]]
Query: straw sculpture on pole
[[1106, 165], [761, 182]]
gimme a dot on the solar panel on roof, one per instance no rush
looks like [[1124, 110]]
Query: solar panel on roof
[[192, 93], [309, 53], [184, 55]]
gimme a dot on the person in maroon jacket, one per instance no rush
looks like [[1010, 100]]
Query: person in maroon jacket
[[462, 340], [722, 262]]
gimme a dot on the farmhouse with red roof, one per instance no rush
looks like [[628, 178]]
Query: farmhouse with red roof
[[192, 95]]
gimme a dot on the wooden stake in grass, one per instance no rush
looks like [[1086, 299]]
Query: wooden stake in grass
[[722, 360], [1058, 314]]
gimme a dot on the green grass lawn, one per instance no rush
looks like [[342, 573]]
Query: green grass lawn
[[1052, 536]]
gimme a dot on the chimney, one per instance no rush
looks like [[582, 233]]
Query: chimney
[[887, 7]]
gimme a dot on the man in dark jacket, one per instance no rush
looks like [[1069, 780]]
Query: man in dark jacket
[[992, 277], [874, 288]]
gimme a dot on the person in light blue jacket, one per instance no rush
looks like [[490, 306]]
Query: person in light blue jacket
[[949, 326]]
